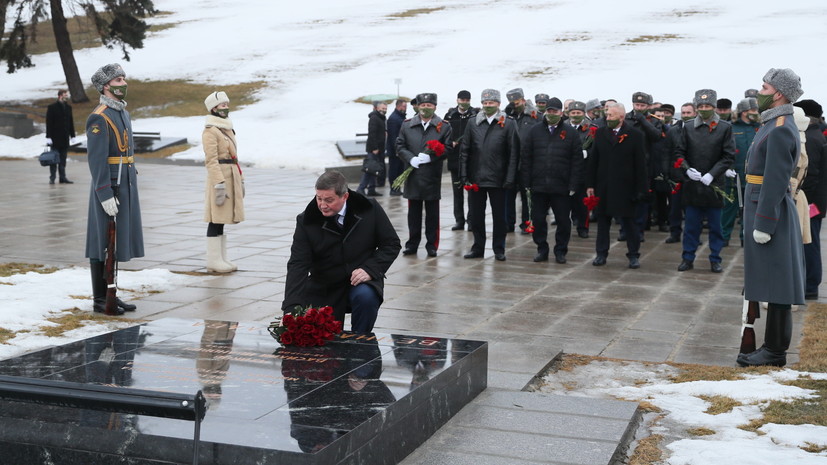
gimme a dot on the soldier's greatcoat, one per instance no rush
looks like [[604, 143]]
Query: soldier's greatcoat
[[104, 148], [773, 272]]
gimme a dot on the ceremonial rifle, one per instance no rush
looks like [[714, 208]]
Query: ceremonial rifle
[[110, 265], [751, 311]]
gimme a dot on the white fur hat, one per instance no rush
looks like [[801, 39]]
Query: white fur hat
[[215, 99]]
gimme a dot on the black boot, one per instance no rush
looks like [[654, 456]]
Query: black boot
[[99, 288], [777, 336]]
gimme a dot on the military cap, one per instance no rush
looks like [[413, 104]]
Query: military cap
[[576, 105], [785, 81], [592, 104], [746, 104], [541, 98], [750, 93], [490, 94], [705, 97], [426, 98], [642, 97], [514, 94]]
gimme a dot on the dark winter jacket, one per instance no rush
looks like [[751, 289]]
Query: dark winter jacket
[[743, 133], [394, 125], [60, 126], [425, 182], [616, 170], [458, 121], [376, 132], [551, 163], [708, 150], [322, 258], [815, 184], [489, 152]]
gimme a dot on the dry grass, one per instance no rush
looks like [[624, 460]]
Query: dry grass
[[649, 407], [720, 404], [8, 269], [538, 73], [73, 318], [653, 38], [700, 431], [694, 372], [813, 349], [82, 34], [414, 12], [5, 335], [814, 448], [647, 451]]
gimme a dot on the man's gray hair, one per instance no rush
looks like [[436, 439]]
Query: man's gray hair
[[616, 104], [376, 104], [332, 180]]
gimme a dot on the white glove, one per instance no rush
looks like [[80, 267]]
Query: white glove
[[220, 194], [48, 141], [110, 206], [415, 162], [424, 158], [73, 140], [707, 179], [693, 174], [571, 193], [585, 154], [730, 173], [760, 236]]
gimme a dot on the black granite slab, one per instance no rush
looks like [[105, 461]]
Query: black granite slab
[[368, 399]]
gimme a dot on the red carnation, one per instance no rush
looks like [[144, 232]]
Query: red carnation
[[592, 131], [678, 163], [437, 147]]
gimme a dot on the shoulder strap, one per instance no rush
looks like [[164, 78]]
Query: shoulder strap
[[123, 144]]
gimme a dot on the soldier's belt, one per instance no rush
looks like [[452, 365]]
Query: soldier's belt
[[118, 160], [755, 179], [227, 161]]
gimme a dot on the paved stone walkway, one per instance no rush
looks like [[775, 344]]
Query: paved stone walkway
[[529, 312]]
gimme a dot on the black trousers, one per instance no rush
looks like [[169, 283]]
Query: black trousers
[[604, 224], [476, 201], [511, 208], [579, 212], [415, 224], [60, 168], [459, 199], [561, 206]]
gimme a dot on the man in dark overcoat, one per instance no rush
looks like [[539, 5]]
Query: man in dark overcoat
[[488, 158], [773, 250], [375, 147], [60, 130], [708, 149], [526, 116], [551, 166], [114, 189], [423, 186], [616, 174], [458, 117], [394, 125], [343, 245]]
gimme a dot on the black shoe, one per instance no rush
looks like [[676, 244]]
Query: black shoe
[[409, 252], [672, 239], [99, 306], [127, 307], [51, 181], [541, 257], [500, 257], [716, 267], [663, 228], [66, 181], [396, 191], [762, 357], [685, 265], [458, 227], [430, 251], [634, 263], [473, 254], [621, 237], [599, 261], [523, 231], [560, 258], [811, 296], [374, 194], [509, 230], [583, 234], [642, 239]]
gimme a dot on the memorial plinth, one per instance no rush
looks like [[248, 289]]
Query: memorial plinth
[[358, 399]]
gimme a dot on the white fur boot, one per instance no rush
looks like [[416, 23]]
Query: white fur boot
[[214, 260], [224, 252]]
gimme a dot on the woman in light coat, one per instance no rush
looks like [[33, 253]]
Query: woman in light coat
[[224, 193]]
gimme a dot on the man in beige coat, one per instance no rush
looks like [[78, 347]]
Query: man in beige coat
[[224, 193]]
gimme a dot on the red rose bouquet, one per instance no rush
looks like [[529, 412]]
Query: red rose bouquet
[[305, 326], [433, 148]]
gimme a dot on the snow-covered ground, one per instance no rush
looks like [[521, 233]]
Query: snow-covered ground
[[28, 299], [318, 56], [682, 408]]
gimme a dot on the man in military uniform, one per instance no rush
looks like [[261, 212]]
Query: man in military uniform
[[423, 186], [724, 109], [541, 102], [458, 117], [114, 190], [675, 197], [773, 252], [488, 158], [640, 118]]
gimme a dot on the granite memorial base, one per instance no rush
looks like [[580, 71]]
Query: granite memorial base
[[360, 399]]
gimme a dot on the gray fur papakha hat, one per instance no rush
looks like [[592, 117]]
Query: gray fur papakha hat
[[705, 97], [592, 104], [746, 104], [541, 98], [490, 94], [785, 81], [426, 98], [750, 93], [642, 97], [105, 74], [577, 106], [514, 94]]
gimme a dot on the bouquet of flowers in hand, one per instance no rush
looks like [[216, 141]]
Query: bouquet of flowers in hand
[[305, 326], [590, 203], [433, 148]]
